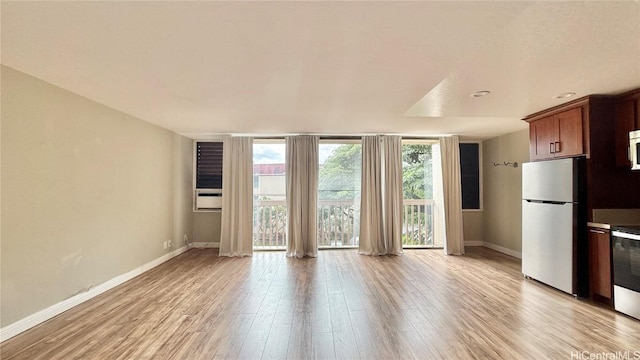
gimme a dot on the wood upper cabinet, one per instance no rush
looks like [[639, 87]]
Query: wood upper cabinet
[[600, 283], [569, 136], [638, 112], [585, 127], [627, 118], [558, 135], [541, 137]]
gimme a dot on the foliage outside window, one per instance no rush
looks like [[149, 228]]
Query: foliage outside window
[[339, 194], [418, 190]]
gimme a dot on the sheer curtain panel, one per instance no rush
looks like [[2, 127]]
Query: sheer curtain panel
[[452, 194], [236, 233], [302, 195], [371, 212], [393, 194]]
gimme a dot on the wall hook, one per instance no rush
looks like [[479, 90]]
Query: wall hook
[[510, 164]]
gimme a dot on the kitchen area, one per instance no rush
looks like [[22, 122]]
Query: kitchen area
[[581, 200], [614, 255]]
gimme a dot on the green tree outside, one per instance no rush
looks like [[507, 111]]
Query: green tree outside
[[340, 173], [340, 180], [417, 171], [339, 186]]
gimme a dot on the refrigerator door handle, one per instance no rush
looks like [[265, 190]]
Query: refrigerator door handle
[[554, 202], [548, 202]]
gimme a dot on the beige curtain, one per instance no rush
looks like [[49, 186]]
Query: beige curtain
[[452, 194], [302, 195], [371, 212], [393, 195], [236, 233]]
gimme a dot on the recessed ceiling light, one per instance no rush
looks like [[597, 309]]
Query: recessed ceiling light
[[565, 95], [480, 93]]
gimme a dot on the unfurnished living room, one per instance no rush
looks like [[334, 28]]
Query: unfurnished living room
[[326, 180]]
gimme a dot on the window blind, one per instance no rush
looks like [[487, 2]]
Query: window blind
[[209, 165], [470, 175]]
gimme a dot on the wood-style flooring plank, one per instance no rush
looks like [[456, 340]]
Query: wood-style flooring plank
[[339, 305]]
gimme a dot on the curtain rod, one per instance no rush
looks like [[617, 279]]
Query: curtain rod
[[344, 137]]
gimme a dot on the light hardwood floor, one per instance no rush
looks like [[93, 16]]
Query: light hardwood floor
[[340, 305]]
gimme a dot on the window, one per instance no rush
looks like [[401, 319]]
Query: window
[[422, 194], [207, 175], [470, 175], [340, 163], [209, 165], [269, 195], [339, 193]]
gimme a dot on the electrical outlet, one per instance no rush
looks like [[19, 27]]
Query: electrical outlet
[[186, 239], [170, 243], [164, 245]]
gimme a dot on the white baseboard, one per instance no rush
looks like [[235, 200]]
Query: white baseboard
[[495, 247], [41, 316], [203, 245], [503, 250]]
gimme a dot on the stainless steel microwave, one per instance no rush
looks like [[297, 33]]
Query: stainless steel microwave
[[634, 149]]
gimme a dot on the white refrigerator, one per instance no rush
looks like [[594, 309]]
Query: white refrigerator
[[554, 248]]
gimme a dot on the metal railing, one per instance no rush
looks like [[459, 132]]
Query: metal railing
[[338, 224], [417, 223], [269, 224]]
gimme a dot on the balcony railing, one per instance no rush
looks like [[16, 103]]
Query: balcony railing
[[338, 224], [269, 224], [417, 223]]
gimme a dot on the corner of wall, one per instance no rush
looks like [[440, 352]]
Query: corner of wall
[[121, 187], [41, 316], [502, 185]]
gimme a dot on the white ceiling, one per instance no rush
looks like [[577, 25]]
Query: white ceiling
[[199, 68]]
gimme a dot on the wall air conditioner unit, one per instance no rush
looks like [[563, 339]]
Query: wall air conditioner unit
[[207, 175], [208, 200]]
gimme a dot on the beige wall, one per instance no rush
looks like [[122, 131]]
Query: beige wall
[[183, 189], [206, 227], [88, 193], [502, 218], [472, 225]]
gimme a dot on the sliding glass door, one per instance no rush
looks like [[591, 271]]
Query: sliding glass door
[[339, 193], [422, 189], [269, 195]]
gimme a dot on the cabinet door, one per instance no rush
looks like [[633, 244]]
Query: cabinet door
[[542, 134], [569, 136], [624, 122], [637, 127], [600, 263]]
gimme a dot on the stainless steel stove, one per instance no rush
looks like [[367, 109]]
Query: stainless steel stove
[[626, 269]]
